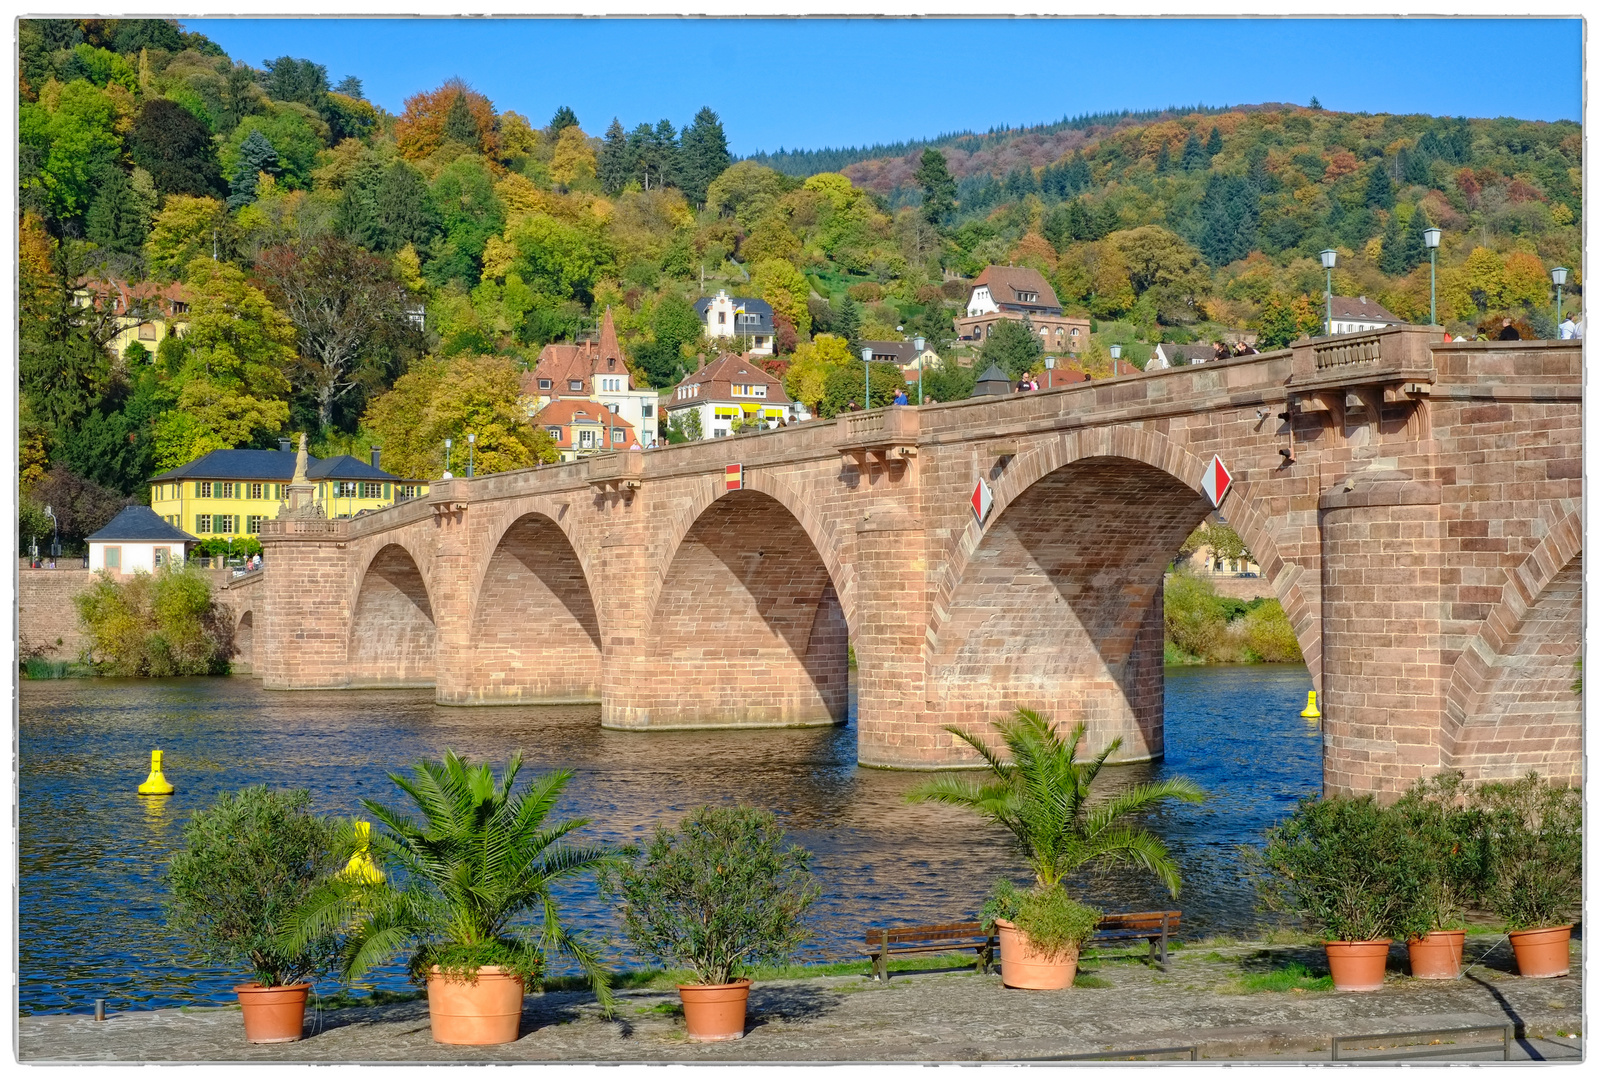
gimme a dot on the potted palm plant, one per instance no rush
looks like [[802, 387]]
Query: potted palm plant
[[247, 862], [719, 894], [1533, 845], [452, 886], [1041, 794], [1437, 833], [1336, 863]]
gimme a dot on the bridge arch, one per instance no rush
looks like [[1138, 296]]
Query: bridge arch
[[535, 630], [1055, 602], [1509, 704], [393, 639], [244, 643], [747, 623]]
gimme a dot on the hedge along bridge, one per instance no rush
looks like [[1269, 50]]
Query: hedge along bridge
[[1414, 505]]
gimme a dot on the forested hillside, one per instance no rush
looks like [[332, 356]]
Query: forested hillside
[[378, 279]]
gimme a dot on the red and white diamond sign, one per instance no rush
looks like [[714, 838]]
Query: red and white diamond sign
[[982, 501], [1216, 481]]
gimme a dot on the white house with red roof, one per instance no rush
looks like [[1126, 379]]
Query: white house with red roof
[[1354, 314], [731, 389], [596, 372]]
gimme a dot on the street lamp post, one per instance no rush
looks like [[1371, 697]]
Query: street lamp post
[[472, 440], [1328, 255], [867, 376], [1050, 369], [1117, 354], [447, 457], [1431, 240], [1559, 278], [55, 539], [917, 346]]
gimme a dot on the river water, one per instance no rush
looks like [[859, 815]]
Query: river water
[[92, 851]]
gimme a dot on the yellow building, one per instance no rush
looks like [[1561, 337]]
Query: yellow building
[[231, 492], [145, 311]]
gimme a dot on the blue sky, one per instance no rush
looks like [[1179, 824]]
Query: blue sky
[[812, 83]]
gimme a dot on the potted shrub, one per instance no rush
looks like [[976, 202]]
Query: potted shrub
[[1437, 834], [1041, 794], [451, 884], [1533, 846], [247, 862], [719, 894], [1337, 863]]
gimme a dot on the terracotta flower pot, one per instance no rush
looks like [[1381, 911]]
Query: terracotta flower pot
[[273, 1014], [1542, 954], [477, 1013], [715, 1013], [1437, 954], [1357, 965], [1024, 967]]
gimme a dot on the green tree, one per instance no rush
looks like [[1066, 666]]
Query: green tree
[[288, 79], [175, 149], [1013, 345], [785, 289], [291, 130], [1214, 144], [156, 626], [673, 324], [470, 213], [119, 216], [63, 153], [1193, 157], [1284, 319], [386, 208], [613, 167], [564, 118], [845, 384], [64, 364], [703, 155], [1380, 193], [460, 126], [256, 156], [1042, 794], [939, 189]]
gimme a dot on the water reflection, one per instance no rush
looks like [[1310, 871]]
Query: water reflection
[[92, 852]]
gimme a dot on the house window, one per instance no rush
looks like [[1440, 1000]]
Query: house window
[[760, 341], [202, 523], [203, 489], [253, 524], [147, 332], [159, 556], [720, 433], [1028, 297], [616, 434], [750, 389], [405, 491], [722, 318], [586, 438], [647, 410], [180, 308], [113, 558], [372, 489], [555, 433], [223, 523], [229, 489], [575, 384], [344, 489], [544, 384]]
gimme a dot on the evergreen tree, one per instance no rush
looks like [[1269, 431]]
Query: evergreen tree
[[1314, 104], [288, 79], [1162, 161], [1078, 174], [459, 123], [664, 142], [1380, 193], [847, 321], [1014, 346], [1415, 167], [704, 154], [1228, 212], [1194, 157], [1413, 251], [1392, 258], [642, 156], [1214, 144], [939, 189], [614, 167], [118, 220], [350, 86], [384, 209], [256, 156], [564, 118]]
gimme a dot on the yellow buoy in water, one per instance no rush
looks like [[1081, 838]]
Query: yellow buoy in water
[[1310, 712], [361, 867], [155, 783]]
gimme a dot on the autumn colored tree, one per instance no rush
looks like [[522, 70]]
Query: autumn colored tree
[[785, 289], [422, 128], [813, 362], [447, 398], [573, 162], [182, 232], [1284, 319]]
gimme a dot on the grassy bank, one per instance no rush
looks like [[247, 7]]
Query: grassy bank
[[38, 667], [1202, 627]]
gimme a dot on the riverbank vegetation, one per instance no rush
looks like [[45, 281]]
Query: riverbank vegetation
[[156, 625], [1201, 627]]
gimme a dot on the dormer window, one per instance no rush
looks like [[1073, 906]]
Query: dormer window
[[1027, 297], [544, 384], [611, 363], [575, 384]]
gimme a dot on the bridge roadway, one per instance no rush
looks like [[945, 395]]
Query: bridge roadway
[[1415, 506]]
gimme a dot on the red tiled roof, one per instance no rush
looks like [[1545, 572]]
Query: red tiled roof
[[717, 379], [562, 362], [1005, 282], [571, 412], [162, 297], [1360, 307]]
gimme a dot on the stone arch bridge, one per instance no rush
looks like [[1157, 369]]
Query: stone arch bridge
[[1415, 506]]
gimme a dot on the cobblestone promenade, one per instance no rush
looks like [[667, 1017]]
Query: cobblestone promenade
[[949, 1016]]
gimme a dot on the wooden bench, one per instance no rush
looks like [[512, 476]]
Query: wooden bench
[[884, 942], [1156, 927]]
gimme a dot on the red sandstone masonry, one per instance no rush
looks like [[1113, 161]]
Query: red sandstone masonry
[[1410, 541]]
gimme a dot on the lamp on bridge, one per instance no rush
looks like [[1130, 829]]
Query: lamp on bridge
[[1431, 240], [1050, 367], [471, 439], [1559, 278], [1117, 354], [867, 376], [917, 347], [1328, 255], [447, 459]]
